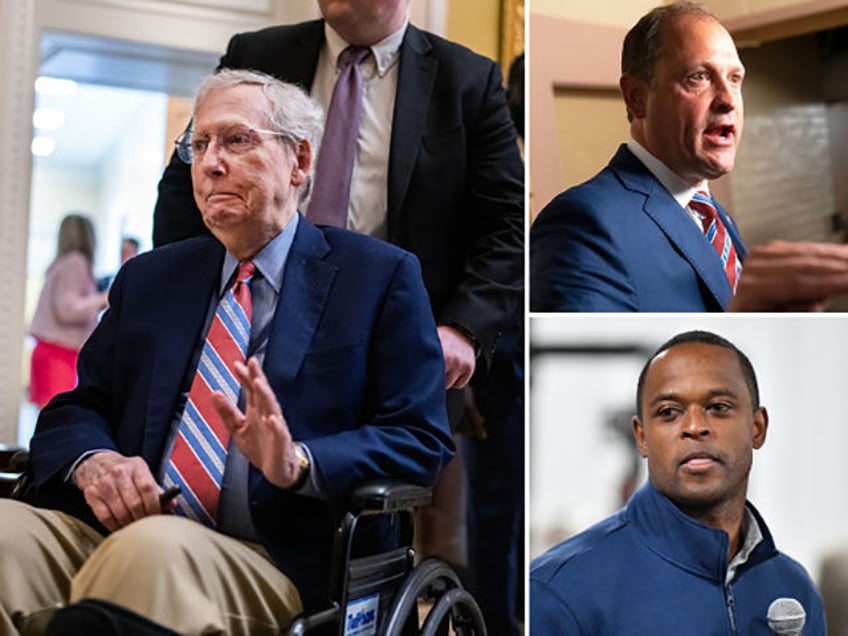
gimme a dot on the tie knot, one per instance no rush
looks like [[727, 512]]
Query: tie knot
[[245, 272], [353, 55], [703, 204]]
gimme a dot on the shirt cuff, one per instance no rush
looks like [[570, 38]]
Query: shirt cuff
[[312, 485], [69, 476]]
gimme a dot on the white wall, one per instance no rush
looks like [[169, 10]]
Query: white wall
[[798, 477], [70, 189], [129, 178]]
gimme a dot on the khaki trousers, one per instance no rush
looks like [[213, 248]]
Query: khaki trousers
[[168, 569]]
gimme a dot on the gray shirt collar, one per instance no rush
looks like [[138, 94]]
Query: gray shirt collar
[[750, 535], [270, 261]]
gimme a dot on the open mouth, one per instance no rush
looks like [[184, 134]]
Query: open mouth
[[723, 134]]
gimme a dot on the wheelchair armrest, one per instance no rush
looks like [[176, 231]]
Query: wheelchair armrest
[[8, 455], [388, 495], [14, 481], [19, 461]]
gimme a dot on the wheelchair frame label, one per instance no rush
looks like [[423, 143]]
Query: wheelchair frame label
[[361, 616]]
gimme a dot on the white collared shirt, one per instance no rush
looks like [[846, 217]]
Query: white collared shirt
[[680, 189], [369, 183]]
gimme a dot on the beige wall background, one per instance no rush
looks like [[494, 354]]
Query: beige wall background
[[586, 146], [625, 13], [620, 13], [476, 24], [494, 28]]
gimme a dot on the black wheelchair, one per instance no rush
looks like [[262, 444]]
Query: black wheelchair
[[386, 593]]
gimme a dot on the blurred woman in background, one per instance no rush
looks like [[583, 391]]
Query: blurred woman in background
[[66, 313]]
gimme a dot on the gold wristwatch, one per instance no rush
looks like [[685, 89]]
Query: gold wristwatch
[[303, 462]]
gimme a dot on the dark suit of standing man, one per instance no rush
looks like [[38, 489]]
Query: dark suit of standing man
[[454, 199], [455, 177]]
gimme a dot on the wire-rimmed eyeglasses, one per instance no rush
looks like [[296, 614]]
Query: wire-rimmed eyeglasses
[[233, 140]]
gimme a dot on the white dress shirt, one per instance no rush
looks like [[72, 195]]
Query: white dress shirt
[[680, 189], [369, 183]]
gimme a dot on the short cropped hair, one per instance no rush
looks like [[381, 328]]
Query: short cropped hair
[[643, 42], [290, 110], [709, 338]]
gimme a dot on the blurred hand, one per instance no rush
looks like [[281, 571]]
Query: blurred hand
[[261, 433], [784, 276], [118, 489], [458, 352]]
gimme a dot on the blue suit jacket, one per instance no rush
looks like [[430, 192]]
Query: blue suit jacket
[[620, 242], [651, 569], [353, 357]]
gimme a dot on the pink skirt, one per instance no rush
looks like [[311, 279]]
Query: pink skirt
[[53, 369]]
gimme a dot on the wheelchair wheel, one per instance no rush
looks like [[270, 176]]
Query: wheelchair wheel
[[435, 580], [465, 614]]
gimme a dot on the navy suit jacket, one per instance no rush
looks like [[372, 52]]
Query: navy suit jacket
[[455, 182], [354, 361], [620, 242]]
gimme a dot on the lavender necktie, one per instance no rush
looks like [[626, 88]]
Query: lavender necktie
[[331, 189]]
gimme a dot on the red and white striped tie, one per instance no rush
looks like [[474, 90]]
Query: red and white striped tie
[[200, 450], [717, 235]]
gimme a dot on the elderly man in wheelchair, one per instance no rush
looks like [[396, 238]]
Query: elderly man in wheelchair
[[202, 477]]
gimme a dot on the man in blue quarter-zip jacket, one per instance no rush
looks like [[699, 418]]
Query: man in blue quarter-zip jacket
[[689, 554]]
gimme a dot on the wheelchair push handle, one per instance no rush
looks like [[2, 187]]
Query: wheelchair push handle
[[389, 495]]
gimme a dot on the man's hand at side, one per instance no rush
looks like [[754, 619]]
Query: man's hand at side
[[118, 489], [458, 352], [784, 276], [261, 432]]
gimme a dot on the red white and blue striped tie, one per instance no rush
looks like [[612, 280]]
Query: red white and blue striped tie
[[200, 450], [718, 236]]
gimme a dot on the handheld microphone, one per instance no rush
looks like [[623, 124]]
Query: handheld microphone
[[786, 616]]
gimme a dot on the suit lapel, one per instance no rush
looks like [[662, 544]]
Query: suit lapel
[[303, 297], [416, 78], [675, 223], [178, 332]]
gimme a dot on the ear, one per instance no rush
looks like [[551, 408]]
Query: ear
[[635, 93], [303, 162], [639, 434], [760, 427]]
